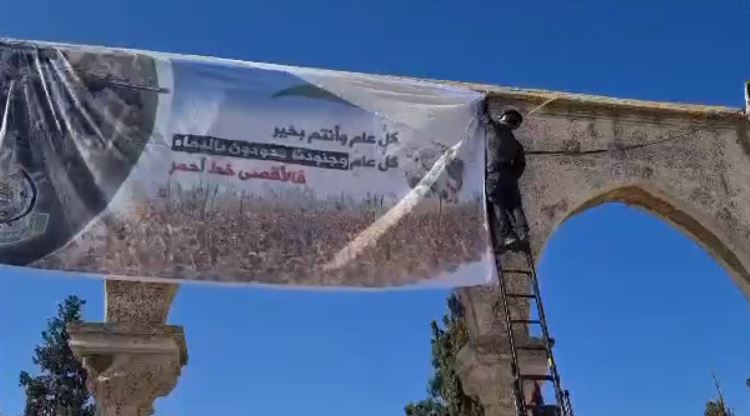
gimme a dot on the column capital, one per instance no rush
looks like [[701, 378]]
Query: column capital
[[129, 365], [138, 302]]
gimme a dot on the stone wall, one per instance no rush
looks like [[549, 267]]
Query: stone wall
[[690, 165]]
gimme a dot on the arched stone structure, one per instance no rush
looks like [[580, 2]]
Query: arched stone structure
[[689, 165]]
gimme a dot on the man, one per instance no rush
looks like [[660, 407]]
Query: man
[[505, 164]]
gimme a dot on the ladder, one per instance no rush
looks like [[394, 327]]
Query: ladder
[[563, 406]]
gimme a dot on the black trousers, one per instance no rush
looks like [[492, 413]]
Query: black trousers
[[506, 209]]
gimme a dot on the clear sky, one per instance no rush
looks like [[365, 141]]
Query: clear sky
[[641, 314]]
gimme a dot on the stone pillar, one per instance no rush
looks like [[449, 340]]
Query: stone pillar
[[484, 363], [137, 302], [134, 357], [129, 366]]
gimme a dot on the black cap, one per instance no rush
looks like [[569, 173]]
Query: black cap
[[512, 112]]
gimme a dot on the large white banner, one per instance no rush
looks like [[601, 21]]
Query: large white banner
[[154, 166]]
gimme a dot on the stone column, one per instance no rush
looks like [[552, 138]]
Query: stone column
[[134, 357], [484, 363], [137, 302], [129, 366]]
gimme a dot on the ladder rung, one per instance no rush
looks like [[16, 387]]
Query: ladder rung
[[536, 377], [530, 406], [532, 348], [520, 295], [516, 271], [526, 321]]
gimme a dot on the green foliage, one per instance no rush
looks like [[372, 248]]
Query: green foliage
[[60, 387], [427, 407], [446, 395], [717, 408]]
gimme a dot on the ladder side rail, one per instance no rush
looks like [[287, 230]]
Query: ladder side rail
[[545, 332], [520, 397]]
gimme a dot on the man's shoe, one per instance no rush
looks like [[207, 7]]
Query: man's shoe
[[523, 243]]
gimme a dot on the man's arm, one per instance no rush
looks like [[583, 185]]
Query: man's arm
[[519, 164]]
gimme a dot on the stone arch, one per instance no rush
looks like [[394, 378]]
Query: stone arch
[[688, 165], [702, 229]]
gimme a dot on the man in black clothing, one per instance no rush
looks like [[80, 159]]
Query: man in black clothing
[[505, 164]]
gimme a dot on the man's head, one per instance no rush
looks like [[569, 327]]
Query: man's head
[[511, 118]]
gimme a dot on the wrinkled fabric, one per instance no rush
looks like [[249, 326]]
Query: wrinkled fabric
[[71, 135], [151, 166]]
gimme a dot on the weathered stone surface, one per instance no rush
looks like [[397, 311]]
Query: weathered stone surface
[[484, 363], [484, 370], [134, 357], [138, 302], [129, 365], [686, 164]]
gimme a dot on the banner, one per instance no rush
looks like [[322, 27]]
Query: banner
[[144, 165]]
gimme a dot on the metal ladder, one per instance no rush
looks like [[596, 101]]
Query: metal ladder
[[563, 406]]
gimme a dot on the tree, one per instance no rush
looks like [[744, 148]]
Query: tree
[[446, 395], [717, 408], [60, 387]]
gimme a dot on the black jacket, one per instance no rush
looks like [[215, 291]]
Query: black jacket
[[505, 155]]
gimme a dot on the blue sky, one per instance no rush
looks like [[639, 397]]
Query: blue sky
[[641, 314]]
